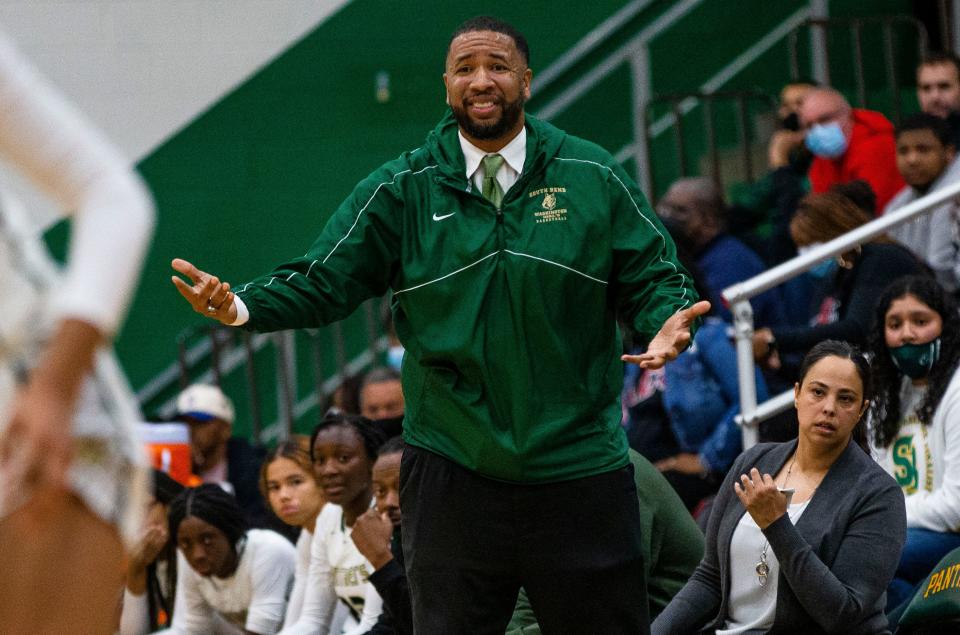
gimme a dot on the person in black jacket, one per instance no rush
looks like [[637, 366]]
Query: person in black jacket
[[850, 284]]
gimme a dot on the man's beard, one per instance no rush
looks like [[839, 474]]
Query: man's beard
[[512, 110]]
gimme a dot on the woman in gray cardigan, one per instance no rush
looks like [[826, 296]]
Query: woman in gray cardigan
[[804, 536]]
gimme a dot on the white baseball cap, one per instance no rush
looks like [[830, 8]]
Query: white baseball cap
[[204, 402]]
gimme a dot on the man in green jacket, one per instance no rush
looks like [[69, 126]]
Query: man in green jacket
[[511, 249]]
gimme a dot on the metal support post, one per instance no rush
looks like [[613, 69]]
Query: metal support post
[[743, 329]]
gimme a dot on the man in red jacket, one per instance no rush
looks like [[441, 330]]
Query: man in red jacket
[[849, 144]]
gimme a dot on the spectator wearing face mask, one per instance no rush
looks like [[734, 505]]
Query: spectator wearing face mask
[[849, 144], [760, 212], [693, 211], [850, 284], [381, 400], [915, 422]]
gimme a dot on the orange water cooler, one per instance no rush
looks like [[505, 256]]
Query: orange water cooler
[[168, 448]]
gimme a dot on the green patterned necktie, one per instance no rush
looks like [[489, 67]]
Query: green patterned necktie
[[491, 186]]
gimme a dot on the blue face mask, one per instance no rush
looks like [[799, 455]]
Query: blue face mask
[[824, 270], [826, 140], [395, 357]]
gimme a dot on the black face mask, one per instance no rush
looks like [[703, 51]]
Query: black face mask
[[390, 427], [790, 122]]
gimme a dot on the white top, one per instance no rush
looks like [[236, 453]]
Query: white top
[[337, 570], [753, 606], [933, 236], [295, 603], [253, 598], [925, 460], [514, 155], [135, 613], [63, 154]]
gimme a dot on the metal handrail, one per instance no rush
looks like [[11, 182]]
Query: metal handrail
[[738, 296]]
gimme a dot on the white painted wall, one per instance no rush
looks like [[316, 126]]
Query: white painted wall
[[142, 69]]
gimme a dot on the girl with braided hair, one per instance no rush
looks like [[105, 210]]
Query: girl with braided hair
[[915, 419], [152, 565], [344, 449], [226, 573]]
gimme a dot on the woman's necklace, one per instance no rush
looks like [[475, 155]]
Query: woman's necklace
[[762, 568]]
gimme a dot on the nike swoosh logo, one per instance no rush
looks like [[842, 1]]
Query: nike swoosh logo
[[435, 217]]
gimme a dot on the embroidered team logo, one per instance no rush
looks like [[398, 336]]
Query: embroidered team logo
[[549, 212]]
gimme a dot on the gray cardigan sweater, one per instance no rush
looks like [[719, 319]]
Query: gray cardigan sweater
[[835, 564]]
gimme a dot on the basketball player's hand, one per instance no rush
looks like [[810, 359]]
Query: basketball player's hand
[[36, 445], [671, 339], [371, 535], [206, 293]]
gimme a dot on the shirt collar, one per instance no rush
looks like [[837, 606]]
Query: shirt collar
[[514, 153]]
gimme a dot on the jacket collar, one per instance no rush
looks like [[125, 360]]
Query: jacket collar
[[443, 144]]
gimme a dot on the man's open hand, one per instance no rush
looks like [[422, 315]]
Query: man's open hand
[[671, 339], [205, 293]]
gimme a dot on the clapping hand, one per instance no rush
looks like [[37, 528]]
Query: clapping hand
[[206, 293], [671, 339]]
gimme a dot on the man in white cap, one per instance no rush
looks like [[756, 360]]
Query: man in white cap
[[218, 457]]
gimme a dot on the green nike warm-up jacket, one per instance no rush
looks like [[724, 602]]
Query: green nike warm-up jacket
[[508, 317]]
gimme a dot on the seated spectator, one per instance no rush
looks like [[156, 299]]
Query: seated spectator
[[702, 398], [289, 485], [343, 450], [151, 581], [645, 419], [925, 158], [851, 283], [761, 212], [376, 535], [693, 212], [227, 575], [915, 429], [849, 144], [823, 526], [219, 457], [672, 543], [938, 89], [381, 400]]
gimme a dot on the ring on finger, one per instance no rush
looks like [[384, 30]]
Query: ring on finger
[[211, 308]]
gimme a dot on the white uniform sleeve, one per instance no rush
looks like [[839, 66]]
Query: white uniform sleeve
[[135, 614], [52, 144], [372, 607], [273, 566], [191, 613], [320, 600], [295, 603], [939, 510]]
